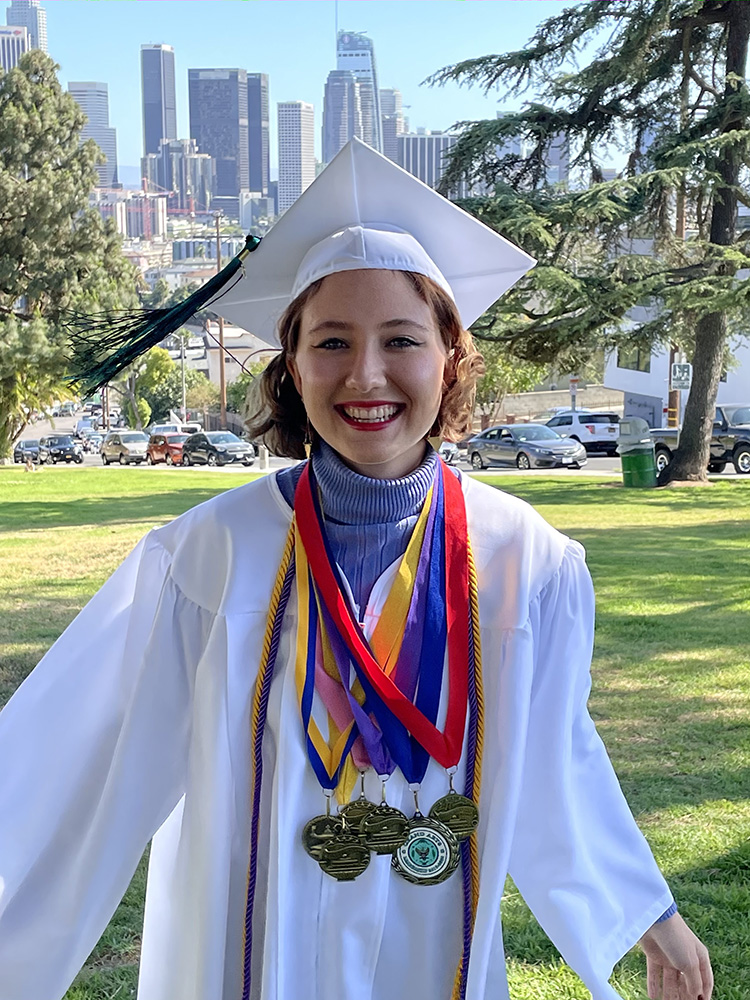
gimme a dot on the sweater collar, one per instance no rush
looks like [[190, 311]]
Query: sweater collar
[[350, 498]]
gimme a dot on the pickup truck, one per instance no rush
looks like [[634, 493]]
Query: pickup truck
[[730, 440]]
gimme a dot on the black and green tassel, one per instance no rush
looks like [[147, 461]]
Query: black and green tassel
[[103, 344]]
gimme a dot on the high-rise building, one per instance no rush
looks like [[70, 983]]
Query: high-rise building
[[158, 92], [182, 173], [13, 43], [392, 121], [218, 123], [342, 112], [258, 122], [30, 15], [423, 155], [355, 52], [296, 151], [93, 98], [558, 160]]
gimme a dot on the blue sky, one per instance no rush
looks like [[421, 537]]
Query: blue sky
[[294, 42]]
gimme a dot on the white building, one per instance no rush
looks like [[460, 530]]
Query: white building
[[392, 121], [644, 379], [296, 151], [31, 15], [13, 43], [93, 98], [356, 53], [244, 349], [423, 154]]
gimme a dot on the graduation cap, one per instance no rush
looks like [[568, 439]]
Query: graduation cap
[[363, 211]]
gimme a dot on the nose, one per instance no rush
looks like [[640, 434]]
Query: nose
[[366, 368]]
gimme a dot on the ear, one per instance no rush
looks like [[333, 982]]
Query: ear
[[291, 367]]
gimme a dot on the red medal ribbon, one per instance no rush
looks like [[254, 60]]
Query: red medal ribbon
[[445, 747]]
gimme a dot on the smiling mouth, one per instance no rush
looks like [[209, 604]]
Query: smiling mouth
[[371, 415]]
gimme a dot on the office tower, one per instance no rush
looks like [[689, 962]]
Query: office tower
[[28, 14], [296, 151], [422, 153], [13, 43], [218, 123], [181, 172], [342, 112], [158, 92], [355, 52], [94, 101], [392, 121], [557, 167], [258, 131]]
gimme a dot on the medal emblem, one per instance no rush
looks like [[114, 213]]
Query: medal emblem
[[355, 813], [344, 857], [429, 855], [384, 830], [458, 813], [319, 831]]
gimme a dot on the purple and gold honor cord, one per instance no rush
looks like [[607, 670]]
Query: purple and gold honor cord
[[282, 590]]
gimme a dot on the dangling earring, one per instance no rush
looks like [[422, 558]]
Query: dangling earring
[[308, 440]]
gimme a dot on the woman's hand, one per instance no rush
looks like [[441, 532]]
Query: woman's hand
[[678, 964]]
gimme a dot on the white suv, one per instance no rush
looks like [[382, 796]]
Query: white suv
[[595, 431]]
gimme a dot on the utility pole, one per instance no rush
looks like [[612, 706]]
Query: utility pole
[[182, 359], [222, 374]]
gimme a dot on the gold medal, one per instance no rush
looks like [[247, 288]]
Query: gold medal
[[355, 812], [344, 857], [384, 830], [430, 854], [458, 813], [319, 831]]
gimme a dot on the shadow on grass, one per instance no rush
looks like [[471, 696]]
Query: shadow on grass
[[39, 516]]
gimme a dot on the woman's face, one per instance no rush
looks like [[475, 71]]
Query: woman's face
[[370, 368]]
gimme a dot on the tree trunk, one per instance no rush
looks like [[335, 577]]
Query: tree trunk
[[691, 458]]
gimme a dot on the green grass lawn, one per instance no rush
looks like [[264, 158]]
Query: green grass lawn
[[671, 694]]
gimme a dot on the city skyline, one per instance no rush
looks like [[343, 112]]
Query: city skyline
[[295, 70]]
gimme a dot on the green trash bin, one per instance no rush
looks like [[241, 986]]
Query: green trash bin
[[636, 451]]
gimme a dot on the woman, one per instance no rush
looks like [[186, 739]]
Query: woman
[[246, 669]]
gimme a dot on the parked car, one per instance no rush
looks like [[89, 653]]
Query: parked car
[[192, 428], [165, 448], [164, 429], [216, 448], [527, 446], [597, 432], [730, 440], [25, 450], [125, 447], [60, 448], [93, 443], [449, 452], [83, 424]]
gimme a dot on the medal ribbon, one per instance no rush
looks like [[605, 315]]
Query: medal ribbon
[[388, 701]]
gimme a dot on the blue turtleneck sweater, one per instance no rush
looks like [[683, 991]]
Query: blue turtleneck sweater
[[368, 521]]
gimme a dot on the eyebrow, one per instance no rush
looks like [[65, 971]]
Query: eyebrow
[[391, 324]]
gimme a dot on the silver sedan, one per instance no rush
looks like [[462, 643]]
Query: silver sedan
[[527, 446]]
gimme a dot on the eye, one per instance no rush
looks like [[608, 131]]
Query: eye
[[402, 342], [330, 344]]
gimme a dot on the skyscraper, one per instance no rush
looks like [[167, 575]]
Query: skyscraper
[[178, 168], [13, 43], [257, 132], [423, 155], [342, 112], [392, 119], [296, 151], [94, 100], [158, 92], [30, 15], [218, 123], [355, 52]]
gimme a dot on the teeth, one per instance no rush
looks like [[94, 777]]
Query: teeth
[[371, 414]]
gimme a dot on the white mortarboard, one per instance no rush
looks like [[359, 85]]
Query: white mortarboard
[[363, 211]]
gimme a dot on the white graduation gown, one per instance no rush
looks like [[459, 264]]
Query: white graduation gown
[[136, 725]]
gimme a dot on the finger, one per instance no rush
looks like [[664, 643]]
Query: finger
[[653, 975], [707, 976], [671, 979], [692, 981]]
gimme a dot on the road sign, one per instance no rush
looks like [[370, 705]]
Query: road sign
[[682, 376]]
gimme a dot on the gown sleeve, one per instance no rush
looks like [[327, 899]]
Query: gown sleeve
[[578, 857], [93, 750]]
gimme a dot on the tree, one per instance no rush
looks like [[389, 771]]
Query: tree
[[204, 395], [503, 374], [237, 390], [56, 254], [667, 87]]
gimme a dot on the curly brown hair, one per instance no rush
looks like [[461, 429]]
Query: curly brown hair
[[280, 418]]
